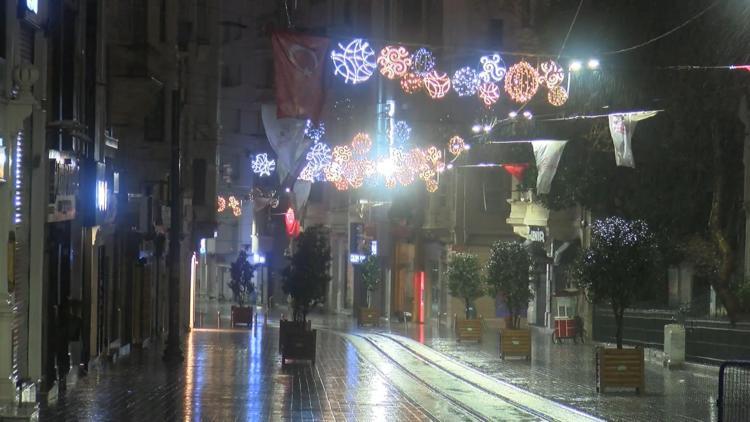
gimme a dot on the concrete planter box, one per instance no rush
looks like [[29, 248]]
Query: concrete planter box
[[620, 368], [469, 329], [298, 343], [368, 316], [242, 315], [515, 343]]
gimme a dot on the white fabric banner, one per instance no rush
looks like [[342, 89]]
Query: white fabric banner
[[287, 138], [622, 126], [301, 191], [547, 155]]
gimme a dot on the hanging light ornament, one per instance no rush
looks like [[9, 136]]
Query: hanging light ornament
[[493, 68], [361, 143], [342, 153], [437, 84], [433, 154], [557, 96], [307, 174], [221, 204], [489, 93], [262, 166], [465, 82], [394, 61], [400, 132], [354, 62], [521, 82], [431, 185], [456, 145], [313, 132], [332, 172], [411, 83], [551, 74], [341, 184], [422, 61]]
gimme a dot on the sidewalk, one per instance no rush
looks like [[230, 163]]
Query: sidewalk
[[566, 373]]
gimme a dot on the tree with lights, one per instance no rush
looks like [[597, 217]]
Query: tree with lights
[[621, 266], [306, 277], [464, 278], [241, 273], [508, 274]]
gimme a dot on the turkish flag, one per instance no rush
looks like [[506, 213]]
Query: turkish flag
[[516, 170], [298, 62]]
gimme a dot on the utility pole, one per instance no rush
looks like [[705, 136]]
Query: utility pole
[[172, 352]]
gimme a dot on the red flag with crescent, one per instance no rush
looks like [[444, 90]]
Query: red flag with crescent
[[298, 62], [516, 170]]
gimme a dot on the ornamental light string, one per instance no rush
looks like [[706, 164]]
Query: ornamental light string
[[354, 62], [411, 83], [262, 166], [437, 84], [422, 61], [521, 82], [493, 68], [489, 93], [465, 82], [394, 61]]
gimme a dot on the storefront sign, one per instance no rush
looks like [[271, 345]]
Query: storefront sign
[[536, 234]]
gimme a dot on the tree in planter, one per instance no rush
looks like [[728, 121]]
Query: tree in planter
[[370, 276], [464, 279], [306, 276], [241, 273], [508, 273], [620, 267]]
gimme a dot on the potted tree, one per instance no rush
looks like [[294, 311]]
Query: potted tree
[[305, 280], [620, 266], [465, 282], [241, 284], [508, 274], [370, 275]]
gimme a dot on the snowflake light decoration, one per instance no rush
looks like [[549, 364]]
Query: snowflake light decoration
[[422, 61], [262, 166], [437, 84], [411, 83], [342, 153], [221, 204], [354, 62], [307, 174], [401, 132], [493, 68], [551, 74], [489, 93], [318, 158], [557, 96], [456, 145], [465, 82], [315, 133], [361, 143], [521, 82], [394, 61]]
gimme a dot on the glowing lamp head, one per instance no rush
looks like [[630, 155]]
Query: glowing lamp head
[[575, 65], [512, 114], [476, 128], [527, 114], [593, 64], [386, 167]]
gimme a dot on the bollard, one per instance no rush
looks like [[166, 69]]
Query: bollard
[[218, 319]]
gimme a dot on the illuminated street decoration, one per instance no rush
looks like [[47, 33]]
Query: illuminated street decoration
[[489, 93], [422, 61], [318, 158], [431, 185], [521, 82], [557, 96], [342, 153], [465, 82], [221, 204], [354, 62], [341, 184], [401, 132], [262, 166], [551, 74], [493, 68], [437, 84], [361, 144], [456, 145], [394, 61], [411, 83], [332, 172], [313, 132]]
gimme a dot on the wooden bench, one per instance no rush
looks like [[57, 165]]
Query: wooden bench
[[622, 368], [469, 329], [515, 343], [368, 316]]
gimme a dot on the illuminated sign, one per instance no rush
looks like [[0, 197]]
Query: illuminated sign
[[32, 5], [356, 258], [102, 195]]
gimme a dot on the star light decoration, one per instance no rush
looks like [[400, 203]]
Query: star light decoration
[[557, 96], [354, 61], [315, 132], [465, 82], [262, 166], [437, 84], [521, 82], [551, 74], [411, 83], [394, 61], [489, 93], [422, 61], [493, 68]]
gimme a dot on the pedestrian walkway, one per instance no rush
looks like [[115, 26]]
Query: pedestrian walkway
[[237, 375]]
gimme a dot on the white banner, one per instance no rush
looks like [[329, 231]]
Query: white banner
[[547, 155], [287, 138], [622, 126]]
